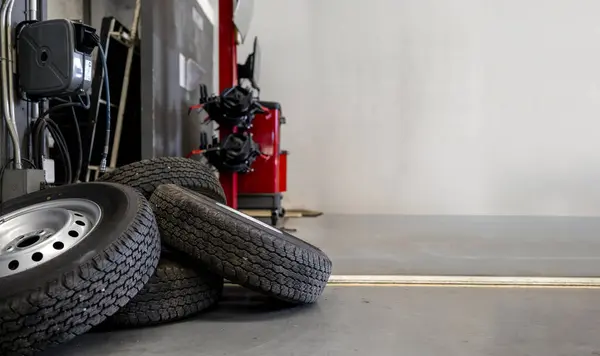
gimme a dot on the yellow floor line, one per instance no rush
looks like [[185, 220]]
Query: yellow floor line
[[459, 281], [463, 281], [506, 286]]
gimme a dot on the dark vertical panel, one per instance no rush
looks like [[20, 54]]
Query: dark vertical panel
[[147, 34], [87, 11], [170, 31], [43, 8]]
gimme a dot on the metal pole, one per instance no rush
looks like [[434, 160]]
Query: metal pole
[[7, 79], [33, 9], [227, 79], [34, 108]]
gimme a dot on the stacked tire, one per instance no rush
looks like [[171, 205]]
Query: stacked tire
[[71, 257], [240, 248], [152, 242], [178, 289]]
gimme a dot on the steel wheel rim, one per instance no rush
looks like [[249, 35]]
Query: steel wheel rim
[[36, 234]]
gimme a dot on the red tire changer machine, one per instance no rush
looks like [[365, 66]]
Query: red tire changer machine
[[252, 166]]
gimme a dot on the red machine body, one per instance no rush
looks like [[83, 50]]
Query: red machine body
[[269, 174], [228, 78], [263, 187]]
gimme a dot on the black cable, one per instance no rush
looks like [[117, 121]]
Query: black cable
[[108, 103], [39, 132], [85, 105], [30, 162], [33, 166], [44, 123], [58, 107], [67, 103], [41, 125], [79, 143], [62, 148], [30, 107], [38, 140]]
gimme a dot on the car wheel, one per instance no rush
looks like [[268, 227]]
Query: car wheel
[[69, 258]]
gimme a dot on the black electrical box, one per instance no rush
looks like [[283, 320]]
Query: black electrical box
[[54, 58]]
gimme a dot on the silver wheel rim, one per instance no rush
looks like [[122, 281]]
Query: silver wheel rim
[[39, 233]]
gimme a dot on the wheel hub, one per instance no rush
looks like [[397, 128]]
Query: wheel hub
[[41, 232]]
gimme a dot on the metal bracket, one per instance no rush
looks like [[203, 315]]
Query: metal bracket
[[17, 182]]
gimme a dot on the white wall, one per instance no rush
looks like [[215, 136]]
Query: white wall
[[437, 106], [70, 9]]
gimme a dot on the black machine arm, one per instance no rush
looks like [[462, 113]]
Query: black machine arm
[[235, 154], [234, 107]]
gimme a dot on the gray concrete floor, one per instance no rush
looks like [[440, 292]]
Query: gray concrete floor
[[458, 245], [420, 321], [375, 321]]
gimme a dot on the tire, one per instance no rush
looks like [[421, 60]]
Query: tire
[[148, 174], [66, 294], [176, 290], [240, 248]]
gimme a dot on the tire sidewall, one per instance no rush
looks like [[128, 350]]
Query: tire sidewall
[[119, 205], [237, 215]]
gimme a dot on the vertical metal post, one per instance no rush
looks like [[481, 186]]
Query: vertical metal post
[[34, 108], [33, 9], [227, 79], [6, 32], [87, 11]]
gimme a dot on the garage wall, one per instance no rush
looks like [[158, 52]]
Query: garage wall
[[435, 106], [70, 9]]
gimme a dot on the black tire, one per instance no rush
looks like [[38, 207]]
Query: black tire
[[240, 248], [178, 289], [148, 174], [67, 295]]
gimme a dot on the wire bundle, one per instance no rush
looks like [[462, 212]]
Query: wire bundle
[[46, 123]]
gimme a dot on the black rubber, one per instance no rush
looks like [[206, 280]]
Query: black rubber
[[148, 174], [178, 289], [66, 296], [240, 248]]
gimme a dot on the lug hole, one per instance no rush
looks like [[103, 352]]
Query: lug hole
[[37, 257], [80, 223], [58, 245], [13, 265], [31, 240], [73, 233]]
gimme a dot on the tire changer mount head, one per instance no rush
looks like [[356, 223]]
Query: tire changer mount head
[[233, 108]]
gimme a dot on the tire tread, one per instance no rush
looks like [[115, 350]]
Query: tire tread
[[78, 300], [148, 174], [175, 291], [243, 253]]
